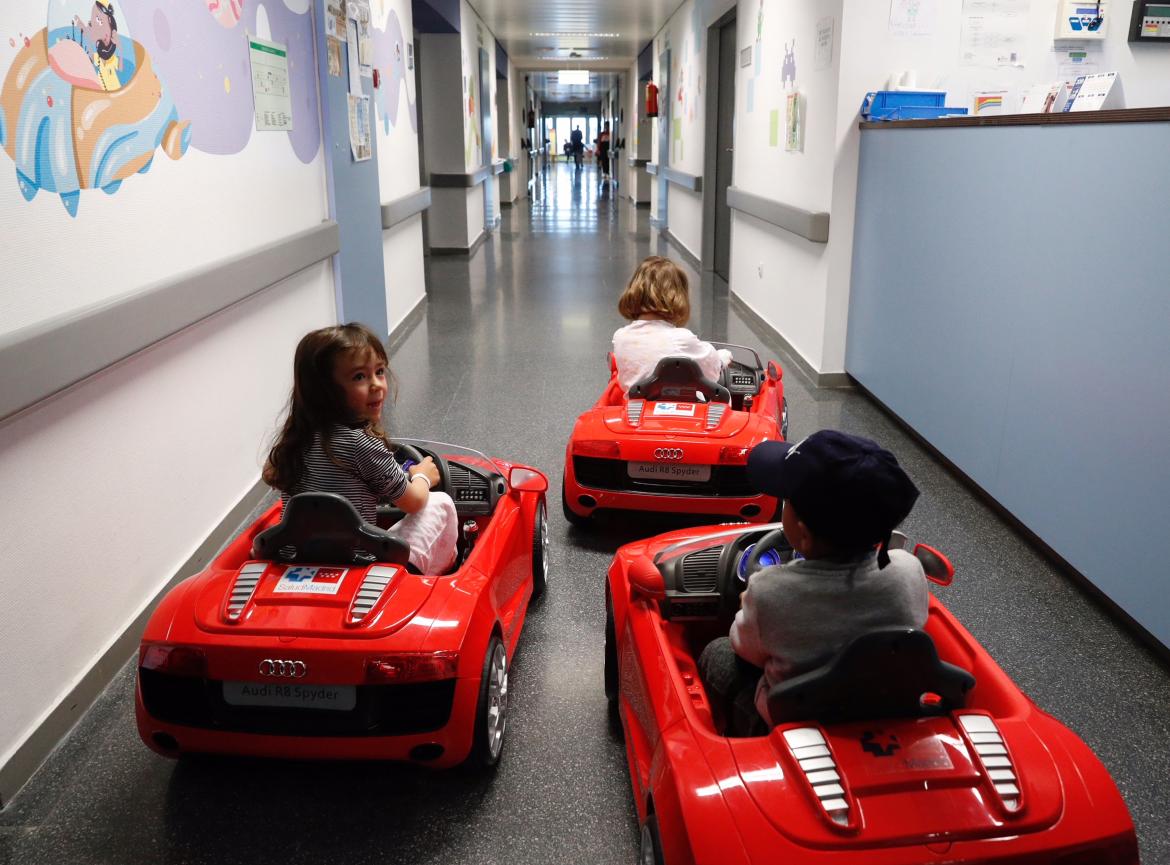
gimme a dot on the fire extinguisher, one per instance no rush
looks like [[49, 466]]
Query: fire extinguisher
[[651, 99]]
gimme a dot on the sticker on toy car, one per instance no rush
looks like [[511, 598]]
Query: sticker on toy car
[[669, 471], [311, 581], [340, 698], [674, 409]]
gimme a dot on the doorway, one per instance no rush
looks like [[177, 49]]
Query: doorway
[[724, 147], [485, 128], [663, 137], [424, 174]]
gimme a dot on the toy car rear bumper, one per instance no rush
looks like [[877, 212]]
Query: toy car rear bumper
[[608, 487], [290, 734]]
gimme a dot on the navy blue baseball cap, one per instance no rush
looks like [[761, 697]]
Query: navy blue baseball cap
[[848, 490]]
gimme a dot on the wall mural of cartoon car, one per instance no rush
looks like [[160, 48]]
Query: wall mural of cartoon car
[[70, 123], [310, 637], [909, 747], [676, 443]]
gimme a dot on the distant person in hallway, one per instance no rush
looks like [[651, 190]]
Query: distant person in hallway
[[843, 497], [603, 142], [577, 140], [333, 442], [657, 302]]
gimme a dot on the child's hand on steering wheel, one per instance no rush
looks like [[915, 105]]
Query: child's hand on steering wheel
[[427, 469]]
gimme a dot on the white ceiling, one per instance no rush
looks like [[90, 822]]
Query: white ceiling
[[635, 22]]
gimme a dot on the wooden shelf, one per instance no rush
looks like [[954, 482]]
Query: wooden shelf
[[1124, 115]]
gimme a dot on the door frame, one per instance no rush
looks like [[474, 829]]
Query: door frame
[[711, 135]]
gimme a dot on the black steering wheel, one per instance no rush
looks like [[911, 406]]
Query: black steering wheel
[[388, 514], [774, 543]]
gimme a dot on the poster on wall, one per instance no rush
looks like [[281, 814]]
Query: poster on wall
[[793, 123], [359, 127], [993, 32], [911, 17], [270, 86], [823, 55]]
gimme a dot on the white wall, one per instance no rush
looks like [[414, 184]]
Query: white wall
[[110, 486], [402, 245], [779, 275], [802, 288], [686, 35]]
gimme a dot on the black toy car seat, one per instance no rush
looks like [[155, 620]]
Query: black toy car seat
[[326, 528], [889, 673], [679, 378]]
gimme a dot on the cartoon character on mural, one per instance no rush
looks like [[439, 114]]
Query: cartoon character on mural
[[788, 70], [226, 12], [387, 32], [88, 100], [82, 107], [102, 35]]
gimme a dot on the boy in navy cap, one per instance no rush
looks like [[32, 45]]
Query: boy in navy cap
[[843, 498]]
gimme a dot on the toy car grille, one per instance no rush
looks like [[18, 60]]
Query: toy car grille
[[715, 414], [699, 570], [634, 411], [368, 593], [989, 747], [467, 487], [812, 754], [243, 589]]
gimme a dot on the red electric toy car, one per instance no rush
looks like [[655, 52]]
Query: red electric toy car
[[885, 755], [677, 443], [310, 637]]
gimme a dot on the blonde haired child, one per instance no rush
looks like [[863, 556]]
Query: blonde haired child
[[657, 303]]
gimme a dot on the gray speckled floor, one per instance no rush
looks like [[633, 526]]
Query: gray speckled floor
[[510, 350]]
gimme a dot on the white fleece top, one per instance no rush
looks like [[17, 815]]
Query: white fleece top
[[639, 346], [795, 617]]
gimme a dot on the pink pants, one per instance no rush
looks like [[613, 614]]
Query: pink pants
[[431, 534]]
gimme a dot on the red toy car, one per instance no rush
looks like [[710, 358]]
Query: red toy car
[[885, 755], [677, 443], [309, 636]]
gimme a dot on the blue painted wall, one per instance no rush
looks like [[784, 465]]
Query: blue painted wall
[[353, 198], [1010, 300]]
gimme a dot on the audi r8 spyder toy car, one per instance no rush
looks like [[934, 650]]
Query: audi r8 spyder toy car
[[310, 636], [911, 746], [677, 443]]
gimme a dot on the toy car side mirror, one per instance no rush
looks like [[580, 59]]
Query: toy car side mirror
[[527, 480], [774, 372], [646, 579], [938, 567]]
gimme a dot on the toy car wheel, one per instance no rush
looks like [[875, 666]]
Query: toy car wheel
[[571, 516], [540, 550], [611, 661], [491, 714], [784, 420], [650, 850]]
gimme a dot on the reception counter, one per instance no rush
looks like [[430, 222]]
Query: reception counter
[[1010, 302]]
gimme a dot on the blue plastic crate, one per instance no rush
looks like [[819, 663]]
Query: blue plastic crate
[[920, 112], [878, 105]]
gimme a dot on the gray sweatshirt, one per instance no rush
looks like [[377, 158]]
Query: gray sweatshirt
[[795, 617]]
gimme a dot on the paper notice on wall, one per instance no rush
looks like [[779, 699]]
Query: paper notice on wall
[[911, 17], [794, 123], [355, 72], [994, 32], [270, 85], [823, 56], [359, 127]]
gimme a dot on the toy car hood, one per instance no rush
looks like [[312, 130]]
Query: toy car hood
[[900, 782], [641, 417], [273, 599]]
